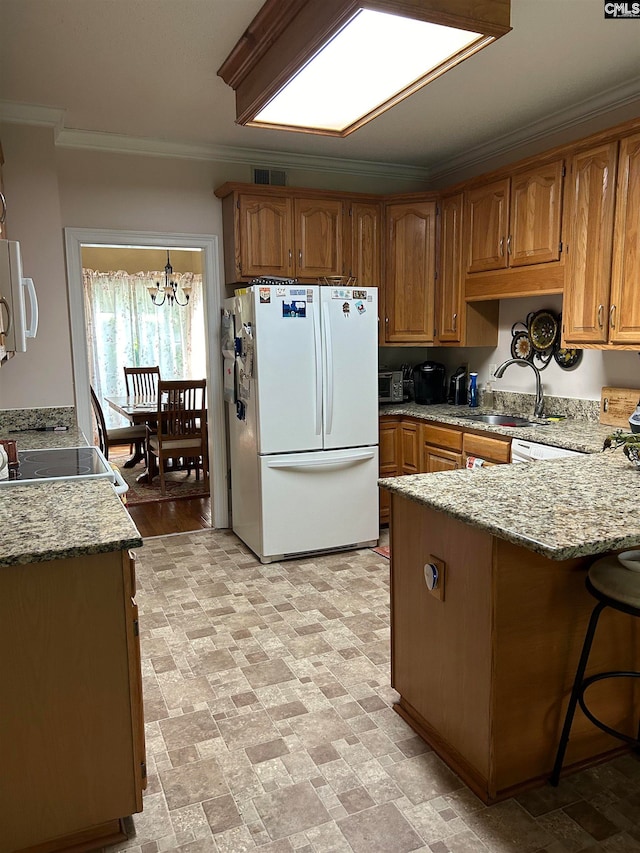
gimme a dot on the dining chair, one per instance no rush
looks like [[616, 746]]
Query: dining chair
[[121, 435], [181, 428], [142, 381]]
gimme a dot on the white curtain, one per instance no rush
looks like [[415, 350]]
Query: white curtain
[[125, 329]]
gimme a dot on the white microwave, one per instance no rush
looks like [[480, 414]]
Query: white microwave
[[15, 292], [390, 386]]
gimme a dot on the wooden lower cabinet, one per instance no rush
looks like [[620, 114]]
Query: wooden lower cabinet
[[388, 460], [485, 670], [494, 450], [409, 447], [415, 446], [441, 448], [72, 732]]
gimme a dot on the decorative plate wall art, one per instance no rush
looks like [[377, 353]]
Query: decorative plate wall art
[[537, 339]]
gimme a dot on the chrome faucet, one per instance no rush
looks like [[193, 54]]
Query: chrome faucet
[[538, 410]]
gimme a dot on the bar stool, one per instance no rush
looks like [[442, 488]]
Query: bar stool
[[617, 587]]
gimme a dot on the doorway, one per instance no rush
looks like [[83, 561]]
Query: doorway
[[75, 240]]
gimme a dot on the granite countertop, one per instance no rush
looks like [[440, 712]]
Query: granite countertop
[[48, 521], [33, 440], [560, 508], [572, 434]]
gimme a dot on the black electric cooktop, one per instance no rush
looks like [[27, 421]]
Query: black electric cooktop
[[60, 463]]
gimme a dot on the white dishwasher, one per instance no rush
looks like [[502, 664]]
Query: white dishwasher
[[529, 451]]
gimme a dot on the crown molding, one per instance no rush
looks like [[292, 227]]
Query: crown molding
[[583, 111], [114, 143], [14, 113]]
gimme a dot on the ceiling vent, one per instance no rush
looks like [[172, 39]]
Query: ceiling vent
[[275, 177]]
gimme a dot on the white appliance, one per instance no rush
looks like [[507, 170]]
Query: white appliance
[[303, 421], [15, 292], [529, 451]]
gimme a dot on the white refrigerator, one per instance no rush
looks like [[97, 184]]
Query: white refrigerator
[[303, 418]]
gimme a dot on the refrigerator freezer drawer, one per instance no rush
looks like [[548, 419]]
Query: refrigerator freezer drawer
[[318, 501]]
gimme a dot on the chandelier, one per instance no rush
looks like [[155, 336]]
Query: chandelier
[[168, 292]]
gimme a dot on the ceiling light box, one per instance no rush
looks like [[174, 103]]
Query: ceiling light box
[[330, 66]]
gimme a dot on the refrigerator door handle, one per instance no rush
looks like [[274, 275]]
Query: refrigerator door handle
[[318, 356], [328, 347], [345, 462]]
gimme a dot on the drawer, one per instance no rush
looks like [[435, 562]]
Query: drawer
[[442, 436], [494, 449]]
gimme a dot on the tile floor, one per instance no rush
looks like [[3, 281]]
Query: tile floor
[[270, 726]]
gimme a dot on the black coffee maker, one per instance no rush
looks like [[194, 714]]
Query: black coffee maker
[[458, 385], [428, 383]]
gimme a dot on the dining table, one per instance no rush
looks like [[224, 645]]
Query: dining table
[[137, 410]]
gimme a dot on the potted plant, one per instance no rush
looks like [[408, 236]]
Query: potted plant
[[628, 441]]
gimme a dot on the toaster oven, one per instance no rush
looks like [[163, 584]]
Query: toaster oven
[[390, 386]]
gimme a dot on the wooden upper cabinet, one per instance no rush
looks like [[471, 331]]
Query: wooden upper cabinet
[[410, 272], [487, 215], [449, 286], [624, 308], [265, 236], [535, 217], [318, 237], [365, 243], [300, 233], [515, 221], [592, 177]]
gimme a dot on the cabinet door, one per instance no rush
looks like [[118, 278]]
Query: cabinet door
[[586, 296], [409, 447], [365, 246], [318, 237], [449, 294], [536, 205], [409, 287], [266, 237], [436, 459], [487, 217], [388, 462], [624, 311]]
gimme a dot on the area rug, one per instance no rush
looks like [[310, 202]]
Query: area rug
[[179, 484], [383, 550]]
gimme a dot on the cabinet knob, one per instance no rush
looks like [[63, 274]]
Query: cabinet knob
[[431, 576]]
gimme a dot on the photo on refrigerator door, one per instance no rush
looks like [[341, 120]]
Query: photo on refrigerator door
[[295, 308]]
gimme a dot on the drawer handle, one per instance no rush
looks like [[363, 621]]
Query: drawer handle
[[509, 244], [612, 317], [455, 323], [502, 247], [600, 315]]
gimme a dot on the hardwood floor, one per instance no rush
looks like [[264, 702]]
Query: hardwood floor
[[163, 517]]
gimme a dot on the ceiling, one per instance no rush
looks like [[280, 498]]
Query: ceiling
[[147, 69]]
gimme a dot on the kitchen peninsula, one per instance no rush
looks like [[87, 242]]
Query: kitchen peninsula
[[484, 660], [72, 735]]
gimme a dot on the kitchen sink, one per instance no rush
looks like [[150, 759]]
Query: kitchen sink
[[503, 420]]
